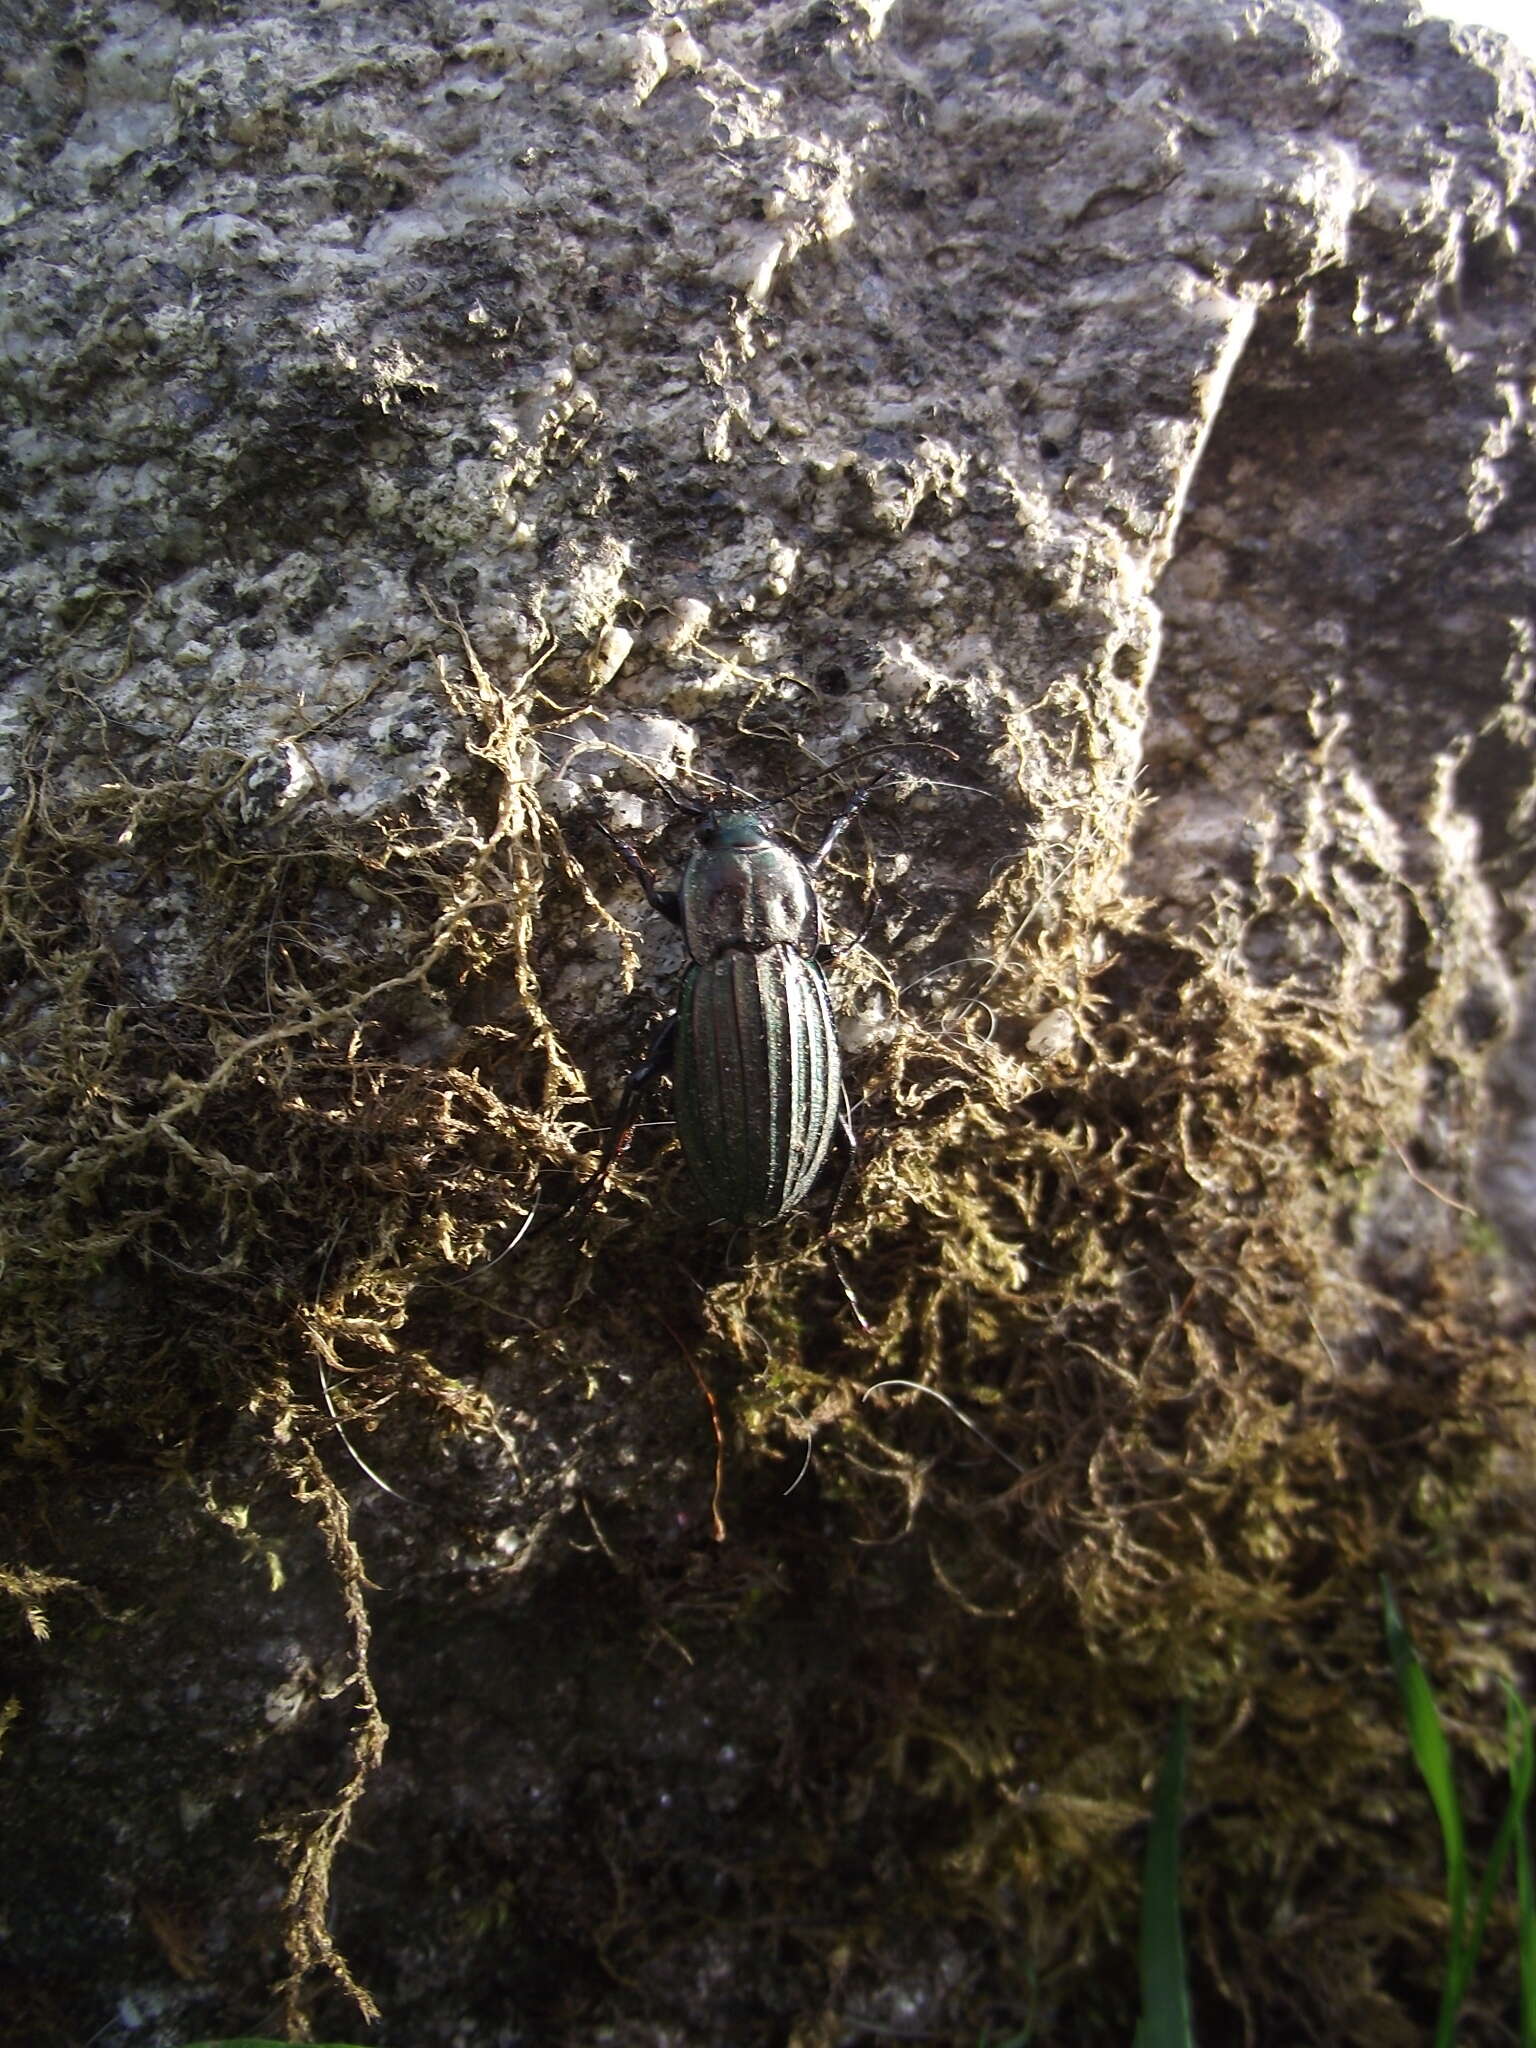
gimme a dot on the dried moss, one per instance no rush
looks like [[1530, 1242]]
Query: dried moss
[[1119, 1205], [172, 1149]]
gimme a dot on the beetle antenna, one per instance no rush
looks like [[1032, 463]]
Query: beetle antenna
[[966, 789], [863, 754], [678, 803]]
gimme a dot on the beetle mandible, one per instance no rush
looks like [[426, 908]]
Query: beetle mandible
[[752, 1046]]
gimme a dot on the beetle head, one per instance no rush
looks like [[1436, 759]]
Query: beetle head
[[731, 828]]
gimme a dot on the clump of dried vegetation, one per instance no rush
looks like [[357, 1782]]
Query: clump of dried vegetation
[[1118, 1208]]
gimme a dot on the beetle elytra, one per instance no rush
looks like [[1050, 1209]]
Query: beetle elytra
[[752, 1047]]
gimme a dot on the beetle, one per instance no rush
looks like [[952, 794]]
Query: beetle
[[752, 1046]]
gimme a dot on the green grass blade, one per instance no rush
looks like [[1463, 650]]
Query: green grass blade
[[1510, 1827], [1522, 1774], [1511, 1831], [1432, 1755], [1164, 2019]]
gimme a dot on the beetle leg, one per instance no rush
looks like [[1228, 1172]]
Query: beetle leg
[[839, 825], [846, 1132], [662, 900], [827, 951], [820, 949], [658, 1060], [828, 1241], [836, 1264], [835, 832]]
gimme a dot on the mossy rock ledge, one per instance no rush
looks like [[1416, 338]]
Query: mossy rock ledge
[[431, 429]]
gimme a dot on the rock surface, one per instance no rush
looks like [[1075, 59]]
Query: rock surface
[[426, 425]]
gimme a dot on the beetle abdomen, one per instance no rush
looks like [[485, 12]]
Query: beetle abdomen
[[756, 1079]]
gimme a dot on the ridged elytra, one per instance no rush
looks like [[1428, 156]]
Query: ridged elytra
[[752, 1047]]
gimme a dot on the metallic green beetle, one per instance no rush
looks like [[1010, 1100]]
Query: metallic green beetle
[[752, 1046]]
